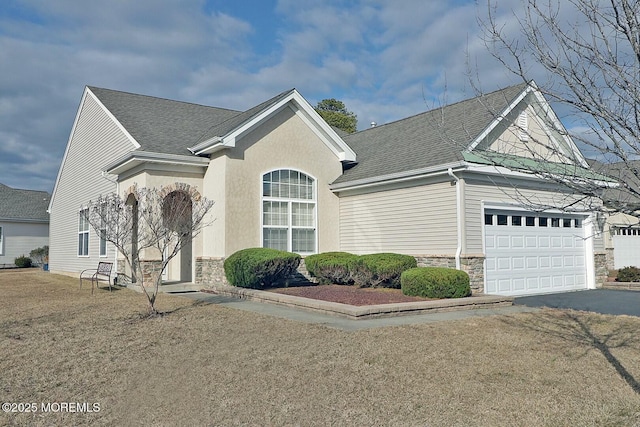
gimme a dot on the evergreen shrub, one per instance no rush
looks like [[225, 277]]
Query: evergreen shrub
[[435, 282], [259, 268]]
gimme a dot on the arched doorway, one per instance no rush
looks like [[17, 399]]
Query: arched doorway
[[177, 216]]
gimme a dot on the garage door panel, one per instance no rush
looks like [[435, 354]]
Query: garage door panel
[[522, 260]]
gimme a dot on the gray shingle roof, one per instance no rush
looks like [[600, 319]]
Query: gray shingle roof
[[227, 126], [25, 205], [428, 139], [162, 125]]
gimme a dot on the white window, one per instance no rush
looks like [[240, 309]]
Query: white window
[[1, 241], [83, 233], [289, 211]]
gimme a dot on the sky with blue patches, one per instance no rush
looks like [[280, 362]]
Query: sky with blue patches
[[385, 60]]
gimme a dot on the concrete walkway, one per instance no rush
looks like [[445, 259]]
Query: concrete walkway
[[394, 316]]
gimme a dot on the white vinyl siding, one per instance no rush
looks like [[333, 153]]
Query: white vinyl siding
[[20, 238], [418, 220], [95, 141]]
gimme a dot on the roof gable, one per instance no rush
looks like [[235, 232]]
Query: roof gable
[[161, 125], [226, 133], [436, 137]]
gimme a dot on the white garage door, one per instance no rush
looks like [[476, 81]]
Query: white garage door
[[626, 247], [529, 253]]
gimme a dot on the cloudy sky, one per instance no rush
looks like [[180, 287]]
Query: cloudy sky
[[384, 59]]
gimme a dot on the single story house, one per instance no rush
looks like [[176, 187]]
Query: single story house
[[440, 186], [622, 213], [24, 222]]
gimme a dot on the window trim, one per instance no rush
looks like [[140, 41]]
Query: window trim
[[1, 240], [290, 227], [102, 242], [81, 232]]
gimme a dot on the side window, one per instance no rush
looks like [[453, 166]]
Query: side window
[[83, 233]]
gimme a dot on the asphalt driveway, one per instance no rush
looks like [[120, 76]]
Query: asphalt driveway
[[605, 301]]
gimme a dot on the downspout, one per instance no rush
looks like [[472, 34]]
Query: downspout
[[459, 216], [115, 261]]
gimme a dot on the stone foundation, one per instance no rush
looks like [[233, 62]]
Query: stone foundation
[[210, 271], [473, 265], [601, 266]]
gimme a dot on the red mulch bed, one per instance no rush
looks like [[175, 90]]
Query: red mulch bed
[[349, 294]]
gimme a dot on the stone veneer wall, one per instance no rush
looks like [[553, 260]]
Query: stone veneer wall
[[210, 271], [601, 266], [473, 265], [610, 259]]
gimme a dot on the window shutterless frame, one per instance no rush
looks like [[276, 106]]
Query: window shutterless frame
[[289, 211], [83, 233]]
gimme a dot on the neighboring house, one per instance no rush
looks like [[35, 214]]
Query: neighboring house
[[622, 225], [426, 186], [24, 222]]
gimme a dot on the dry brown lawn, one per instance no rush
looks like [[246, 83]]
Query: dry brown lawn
[[213, 365]]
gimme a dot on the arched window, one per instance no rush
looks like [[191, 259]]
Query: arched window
[[289, 211]]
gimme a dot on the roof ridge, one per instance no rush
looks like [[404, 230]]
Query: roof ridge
[[161, 98], [442, 107]]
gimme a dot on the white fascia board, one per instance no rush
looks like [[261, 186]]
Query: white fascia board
[[207, 147], [135, 158], [322, 129], [551, 115], [302, 109], [399, 177], [25, 220], [113, 118], [508, 173], [501, 117]]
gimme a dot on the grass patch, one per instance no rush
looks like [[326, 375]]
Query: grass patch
[[203, 364]]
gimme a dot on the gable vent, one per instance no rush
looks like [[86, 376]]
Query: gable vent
[[523, 126]]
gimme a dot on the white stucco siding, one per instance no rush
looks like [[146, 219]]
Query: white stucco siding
[[20, 238], [95, 141], [283, 142], [419, 220]]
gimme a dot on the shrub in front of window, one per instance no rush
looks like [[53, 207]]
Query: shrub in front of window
[[258, 268], [435, 282], [23, 262], [383, 269], [332, 267], [628, 274]]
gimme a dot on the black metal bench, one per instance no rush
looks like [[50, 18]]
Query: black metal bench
[[103, 272]]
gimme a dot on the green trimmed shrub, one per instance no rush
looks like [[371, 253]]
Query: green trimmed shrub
[[628, 274], [435, 282], [383, 269], [332, 267], [23, 262], [258, 268]]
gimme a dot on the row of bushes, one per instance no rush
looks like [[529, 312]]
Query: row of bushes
[[372, 270], [261, 267]]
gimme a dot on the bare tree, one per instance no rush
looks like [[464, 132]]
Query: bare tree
[[585, 55], [149, 228]]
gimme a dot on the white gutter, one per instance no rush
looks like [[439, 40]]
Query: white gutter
[[459, 215]]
